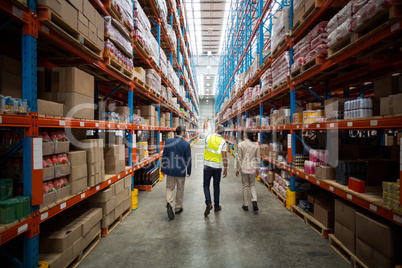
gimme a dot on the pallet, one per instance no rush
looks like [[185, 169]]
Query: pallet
[[77, 260], [141, 48], [378, 22], [147, 188], [55, 22], [107, 231], [278, 196], [345, 253], [311, 221], [306, 16], [268, 185], [115, 66], [279, 47], [312, 64], [20, 3]]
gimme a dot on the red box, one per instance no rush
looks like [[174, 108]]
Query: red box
[[357, 185]]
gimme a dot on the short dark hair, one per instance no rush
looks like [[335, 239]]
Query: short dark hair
[[180, 129], [250, 135], [220, 129]]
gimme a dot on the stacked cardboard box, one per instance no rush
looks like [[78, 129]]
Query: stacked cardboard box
[[140, 73], [114, 200], [114, 155], [74, 88], [142, 151], [10, 77], [149, 113], [378, 243], [167, 119], [324, 211], [175, 122], [79, 171], [63, 239], [345, 224]]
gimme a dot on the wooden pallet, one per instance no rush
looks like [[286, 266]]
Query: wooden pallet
[[306, 16], [147, 188], [142, 48], [278, 196], [77, 260], [279, 47], [345, 253], [107, 231], [275, 87], [378, 22], [311, 221], [115, 66], [307, 67], [55, 22]]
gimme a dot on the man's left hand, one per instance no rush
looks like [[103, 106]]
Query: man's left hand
[[188, 175], [225, 173]]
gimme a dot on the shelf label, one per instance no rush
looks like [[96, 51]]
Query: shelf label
[[134, 141], [82, 195], [82, 124], [397, 218], [62, 123], [307, 177], [318, 125], [97, 188], [350, 124], [297, 172], [118, 126], [373, 122], [332, 125], [108, 125], [109, 181], [23, 228], [118, 176], [96, 124], [395, 27], [373, 207], [37, 153], [289, 140], [349, 196], [298, 126], [63, 206], [18, 12], [44, 216], [318, 182], [126, 172], [1, 120], [331, 188]]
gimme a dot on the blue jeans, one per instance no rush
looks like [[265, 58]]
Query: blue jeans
[[210, 172]]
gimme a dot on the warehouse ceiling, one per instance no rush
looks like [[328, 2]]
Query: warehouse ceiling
[[206, 20]]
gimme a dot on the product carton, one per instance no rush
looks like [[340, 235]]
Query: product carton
[[63, 192], [77, 158], [89, 219], [61, 170], [47, 148], [90, 236], [48, 173], [119, 186], [69, 14], [50, 108], [325, 172], [388, 85], [55, 5], [140, 73], [345, 214], [48, 199], [372, 257], [72, 80], [61, 147], [61, 240], [346, 236], [78, 185], [77, 105], [324, 213], [78, 172]]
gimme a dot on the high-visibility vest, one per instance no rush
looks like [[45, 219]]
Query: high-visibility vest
[[213, 148]]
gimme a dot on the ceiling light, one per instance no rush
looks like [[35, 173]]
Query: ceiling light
[[208, 67], [208, 77], [208, 85], [367, 83], [396, 74], [352, 87], [209, 53], [207, 101]]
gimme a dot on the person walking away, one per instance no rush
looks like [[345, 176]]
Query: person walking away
[[176, 165], [214, 157], [248, 166]]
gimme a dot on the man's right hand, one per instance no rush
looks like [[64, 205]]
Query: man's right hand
[[225, 173], [237, 173]]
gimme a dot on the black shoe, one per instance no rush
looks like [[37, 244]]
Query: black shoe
[[179, 211], [218, 209], [207, 210], [170, 212], [245, 208], [255, 207]]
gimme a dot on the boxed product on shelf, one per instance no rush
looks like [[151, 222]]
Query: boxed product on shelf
[[50, 108], [340, 33], [346, 236], [324, 211], [325, 172], [14, 208], [10, 77], [358, 108], [367, 11], [388, 85], [280, 28], [299, 9], [6, 188], [140, 73], [60, 142], [280, 69], [119, 36], [334, 108], [391, 105], [63, 238], [153, 80], [390, 194], [114, 157], [114, 53], [378, 242]]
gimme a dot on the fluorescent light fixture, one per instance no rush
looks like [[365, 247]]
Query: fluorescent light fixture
[[352, 87], [396, 74], [367, 83], [208, 67], [208, 77], [208, 85], [209, 53], [207, 101]]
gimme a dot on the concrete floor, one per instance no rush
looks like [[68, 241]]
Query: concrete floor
[[273, 237]]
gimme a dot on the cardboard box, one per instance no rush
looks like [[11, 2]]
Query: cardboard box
[[148, 110], [92, 156], [120, 209], [386, 106], [77, 158], [78, 172], [345, 214], [88, 238], [77, 4], [396, 104], [333, 105], [99, 22], [83, 28], [78, 185], [61, 240], [89, 219], [325, 172], [50, 108], [61, 147], [113, 150], [77, 248], [72, 80], [324, 213], [113, 165], [140, 73], [48, 173], [372, 257], [388, 85], [108, 219], [62, 170], [69, 14], [47, 148], [345, 236], [89, 11], [48, 199], [77, 105], [379, 235], [127, 181], [119, 186], [10, 65], [55, 5], [63, 192], [103, 196], [52, 259], [10, 84]]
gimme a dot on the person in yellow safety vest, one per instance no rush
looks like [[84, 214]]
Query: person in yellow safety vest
[[214, 158]]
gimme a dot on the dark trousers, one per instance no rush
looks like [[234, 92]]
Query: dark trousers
[[209, 173]]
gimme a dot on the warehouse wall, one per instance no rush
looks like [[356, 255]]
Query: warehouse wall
[[207, 110]]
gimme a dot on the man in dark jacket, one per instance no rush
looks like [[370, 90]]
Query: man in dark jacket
[[176, 165]]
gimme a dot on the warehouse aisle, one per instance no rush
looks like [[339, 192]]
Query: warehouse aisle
[[273, 237]]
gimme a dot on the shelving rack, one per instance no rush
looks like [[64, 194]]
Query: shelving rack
[[34, 33], [328, 78]]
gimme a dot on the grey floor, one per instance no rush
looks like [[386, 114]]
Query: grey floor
[[273, 237]]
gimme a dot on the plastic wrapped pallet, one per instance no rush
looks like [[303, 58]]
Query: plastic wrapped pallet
[[280, 28], [118, 35], [280, 69]]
